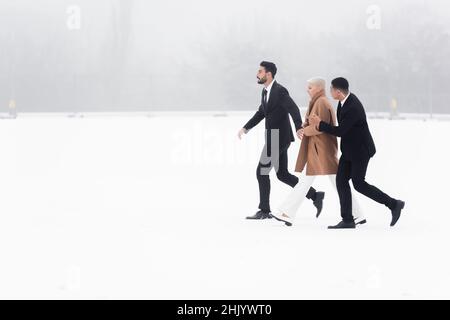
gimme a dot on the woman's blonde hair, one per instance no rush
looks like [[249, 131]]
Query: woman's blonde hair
[[317, 81]]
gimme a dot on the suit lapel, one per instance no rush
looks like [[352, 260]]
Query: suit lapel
[[273, 95]]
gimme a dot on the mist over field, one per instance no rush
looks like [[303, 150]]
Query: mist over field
[[137, 55]]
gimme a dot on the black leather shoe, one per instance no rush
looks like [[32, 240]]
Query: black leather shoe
[[318, 203], [344, 225], [260, 216], [396, 211]]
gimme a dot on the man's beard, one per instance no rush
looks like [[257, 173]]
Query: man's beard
[[262, 80]]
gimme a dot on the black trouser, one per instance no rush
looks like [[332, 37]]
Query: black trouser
[[356, 170], [262, 174]]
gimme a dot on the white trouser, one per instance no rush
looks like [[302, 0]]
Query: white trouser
[[295, 199]]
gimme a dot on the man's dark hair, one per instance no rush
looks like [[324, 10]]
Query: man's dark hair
[[270, 67], [340, 84]]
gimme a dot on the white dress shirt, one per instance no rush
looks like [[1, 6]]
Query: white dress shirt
[[269, 88]]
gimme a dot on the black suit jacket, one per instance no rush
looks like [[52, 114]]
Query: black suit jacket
[[356, 140], [276, 115]]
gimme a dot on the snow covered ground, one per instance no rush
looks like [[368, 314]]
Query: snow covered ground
[[153, 207]]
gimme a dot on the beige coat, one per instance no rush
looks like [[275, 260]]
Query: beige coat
[[318, 151]]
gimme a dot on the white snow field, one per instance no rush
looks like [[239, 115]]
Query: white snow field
[[154, 207]]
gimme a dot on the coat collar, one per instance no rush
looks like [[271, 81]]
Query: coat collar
[[316, 97], [347, 105], [346, 101]]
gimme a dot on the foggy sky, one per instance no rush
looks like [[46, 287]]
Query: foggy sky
[[135, 55]]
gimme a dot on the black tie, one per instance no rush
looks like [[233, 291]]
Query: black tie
[[264, 96]]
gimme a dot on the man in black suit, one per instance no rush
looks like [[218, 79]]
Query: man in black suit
[[357, 148], [276, 106]]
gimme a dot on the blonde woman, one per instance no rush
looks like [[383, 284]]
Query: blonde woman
[[317, 156]]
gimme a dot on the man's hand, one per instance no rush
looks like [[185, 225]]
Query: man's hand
[[242, 132], [314, 120], [300, 133]]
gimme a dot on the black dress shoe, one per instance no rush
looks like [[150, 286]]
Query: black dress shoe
[[260, 216], [344, 225], [396, 211], [318, 202]]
